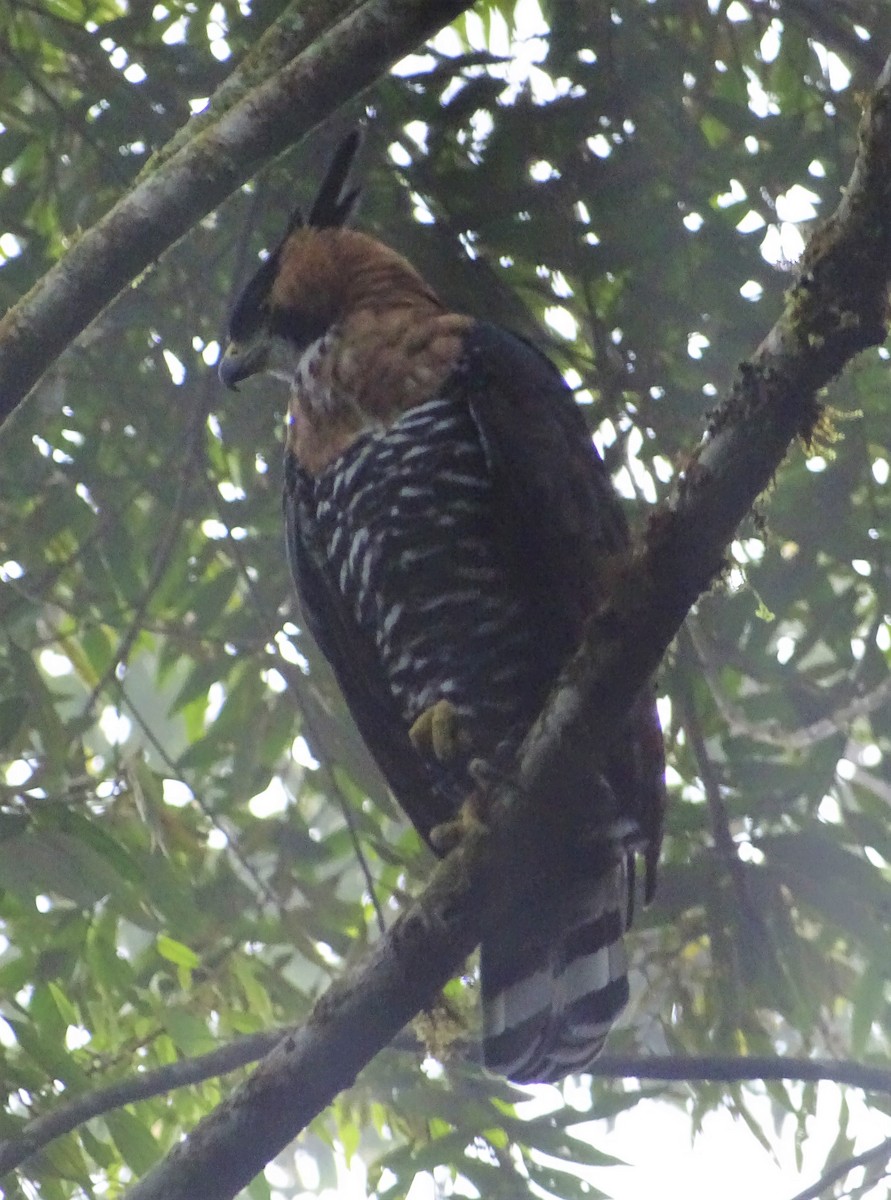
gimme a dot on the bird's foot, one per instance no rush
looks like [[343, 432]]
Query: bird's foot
[[487, 775], [448, 835], [437, 732]]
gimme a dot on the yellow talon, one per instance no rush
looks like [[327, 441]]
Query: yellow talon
[[437, 730], [449, 834]]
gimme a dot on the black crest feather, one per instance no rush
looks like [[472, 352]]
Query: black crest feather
[[331, 209]]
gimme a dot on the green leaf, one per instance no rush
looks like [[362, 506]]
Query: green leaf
[[66, 1009], [189, 1032], [176, 952], [868, 1003], [67, 1160], [139, 1149]]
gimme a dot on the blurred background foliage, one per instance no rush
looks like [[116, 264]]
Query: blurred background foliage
[[193, 841]]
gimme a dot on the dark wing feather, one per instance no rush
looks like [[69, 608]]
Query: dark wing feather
[[558, 518], [357, 670], [559, 523]]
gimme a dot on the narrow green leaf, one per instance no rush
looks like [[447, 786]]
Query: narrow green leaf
[[176, 952], [133, 1139]]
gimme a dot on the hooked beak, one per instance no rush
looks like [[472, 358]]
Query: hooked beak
[[240, 362]]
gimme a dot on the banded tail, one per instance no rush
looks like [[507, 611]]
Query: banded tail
[[553, 986]]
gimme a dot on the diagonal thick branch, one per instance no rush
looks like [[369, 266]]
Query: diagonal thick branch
[[163, 206], [836, 309]]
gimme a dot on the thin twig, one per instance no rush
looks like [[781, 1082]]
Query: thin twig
[[232, 844], [867, 1158], [79, 127], [163, 551], [42, 1130], [773, 733], [295, 683], [243, 1051], [720, 819]]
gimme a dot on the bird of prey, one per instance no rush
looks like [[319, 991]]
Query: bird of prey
[[450, 526]]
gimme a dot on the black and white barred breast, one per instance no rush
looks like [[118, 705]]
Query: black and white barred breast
[[404, 518]]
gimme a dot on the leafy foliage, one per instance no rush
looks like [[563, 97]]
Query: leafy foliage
[[193, 840]]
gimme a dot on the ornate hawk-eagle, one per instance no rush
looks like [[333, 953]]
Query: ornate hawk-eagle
[[448, 521]]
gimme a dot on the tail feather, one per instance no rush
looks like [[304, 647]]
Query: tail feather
[[552, 990]]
